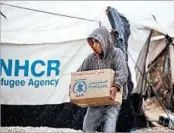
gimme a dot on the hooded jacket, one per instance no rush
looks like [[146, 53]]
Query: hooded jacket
[[112, 58]]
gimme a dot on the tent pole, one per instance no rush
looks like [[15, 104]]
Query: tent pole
[[171, 47]]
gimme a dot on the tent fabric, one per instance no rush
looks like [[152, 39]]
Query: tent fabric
[[172, 61], [30, 27], [156, 70], [140, 68], [156, 26], [69, 55], [120, 29], [24, 26], [156, 46], [155, 49]]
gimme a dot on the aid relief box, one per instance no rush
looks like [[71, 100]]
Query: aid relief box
[[91, 88]]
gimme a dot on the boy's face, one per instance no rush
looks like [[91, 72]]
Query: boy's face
[[96, 46]]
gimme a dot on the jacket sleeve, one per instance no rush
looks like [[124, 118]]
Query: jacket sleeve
[[85, 65], [121, 71]]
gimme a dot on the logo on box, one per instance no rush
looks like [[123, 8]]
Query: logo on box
[[79, 88]]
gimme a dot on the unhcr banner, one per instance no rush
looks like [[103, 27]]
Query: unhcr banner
[[39, 74]]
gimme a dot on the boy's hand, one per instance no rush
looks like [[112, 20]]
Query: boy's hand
[[113, 92]]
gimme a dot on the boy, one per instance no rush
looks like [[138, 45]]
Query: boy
[[105, 56]]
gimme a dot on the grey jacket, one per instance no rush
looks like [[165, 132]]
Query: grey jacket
[[112, 58]]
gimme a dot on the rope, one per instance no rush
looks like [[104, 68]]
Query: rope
[[56, 14]]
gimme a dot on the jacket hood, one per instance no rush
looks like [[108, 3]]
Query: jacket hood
[[104, 37]]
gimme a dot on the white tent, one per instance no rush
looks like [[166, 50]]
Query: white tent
[[28, 27], [152, 48], [156, 80], [22, 25]]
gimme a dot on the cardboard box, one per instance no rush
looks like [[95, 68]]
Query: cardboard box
[[91, 88]]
